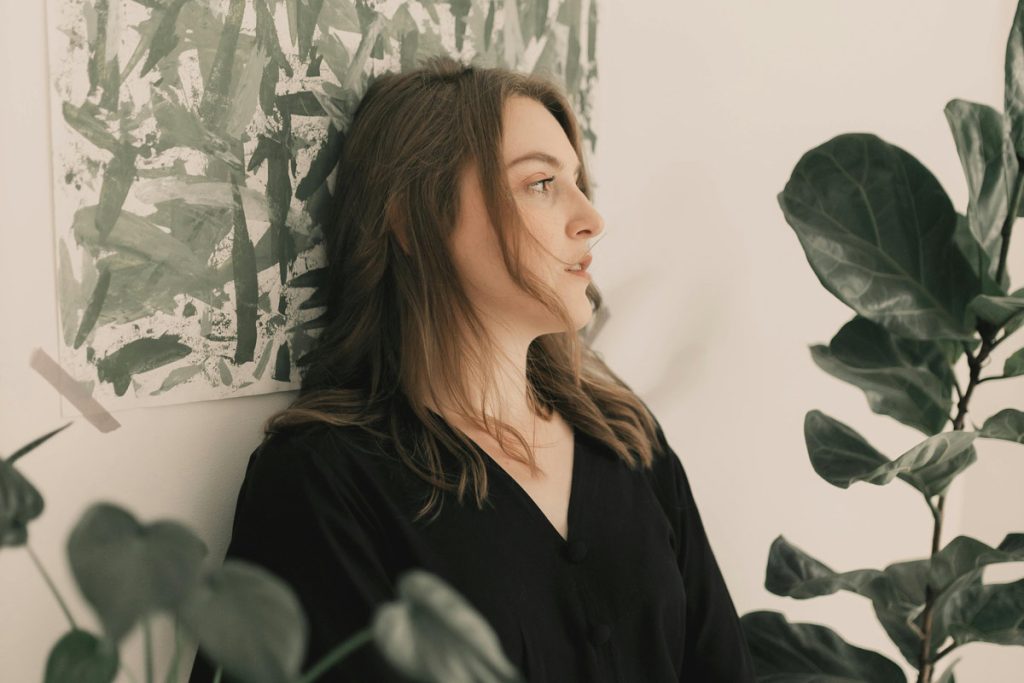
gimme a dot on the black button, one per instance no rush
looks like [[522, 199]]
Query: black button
[[600, 634], [577, 551]]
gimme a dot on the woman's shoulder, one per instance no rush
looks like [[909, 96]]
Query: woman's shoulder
[[666, 474], [309, 452]]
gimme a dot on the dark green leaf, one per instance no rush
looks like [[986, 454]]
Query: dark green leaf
[[35, 443], [998, 310], [1007, 424], [931, 466], [982, 137], [967, 609], [432, 632], [970, 611], [248, 621], [964, 554], [897, 593], [20, 503], [838, 454], [979, 261], [811, 653], [906, 379], [877, 229], [1014, 79], [1014, 365], [126, 570], [841, 456], [81, 657]]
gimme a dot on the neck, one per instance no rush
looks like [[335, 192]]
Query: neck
[[508, 398]]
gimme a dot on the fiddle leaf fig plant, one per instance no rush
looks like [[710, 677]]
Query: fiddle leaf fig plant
[[929, 287], [246, 620]]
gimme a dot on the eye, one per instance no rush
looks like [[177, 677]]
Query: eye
[[541, 182]]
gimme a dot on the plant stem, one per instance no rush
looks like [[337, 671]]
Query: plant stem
[[53, 587], [943, 652], [926, 662], [147, 639], [336, 655], [172, 672], [991, 377]]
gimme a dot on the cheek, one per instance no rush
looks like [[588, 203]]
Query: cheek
[[478, 259]]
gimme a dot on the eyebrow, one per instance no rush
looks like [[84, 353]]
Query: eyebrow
[[544, 157]]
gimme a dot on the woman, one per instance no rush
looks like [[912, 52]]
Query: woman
[[452, 361]]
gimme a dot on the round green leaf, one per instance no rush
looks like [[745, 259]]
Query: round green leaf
[[909, 380], [1014, 365], [970, 611], [20, 503], [126, 569], [998, 310], [877, 229], [248, 621], [811, 653], [982, 137], [897, 593], [1007, 424], [81, 657], [838, 454], [434, 634]]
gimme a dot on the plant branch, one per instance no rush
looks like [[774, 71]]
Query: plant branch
[[172, 672], [975, 363], [53, 587], [992, 377], [336, 655], [147, 649], [944, 651]]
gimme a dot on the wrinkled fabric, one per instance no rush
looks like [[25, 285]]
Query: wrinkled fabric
[[634, 595]]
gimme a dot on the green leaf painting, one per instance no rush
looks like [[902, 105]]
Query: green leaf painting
[[193, 142]]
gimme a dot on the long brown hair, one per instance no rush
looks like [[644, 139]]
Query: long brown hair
[[399, 322]]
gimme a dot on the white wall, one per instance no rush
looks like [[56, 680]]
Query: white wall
[[704, 108]]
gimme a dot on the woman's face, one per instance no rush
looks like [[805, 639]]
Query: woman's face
[[555, 210]]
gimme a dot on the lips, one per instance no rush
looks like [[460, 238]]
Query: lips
[[585, 262]]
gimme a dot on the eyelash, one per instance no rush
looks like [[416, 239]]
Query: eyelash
[[549, 179]]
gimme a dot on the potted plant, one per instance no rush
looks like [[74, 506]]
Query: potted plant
[[928, 286]]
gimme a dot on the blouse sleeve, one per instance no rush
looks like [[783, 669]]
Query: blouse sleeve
[[715, 648], [305, 527]]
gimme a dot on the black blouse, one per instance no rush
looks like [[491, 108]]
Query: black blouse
[[634, 596]]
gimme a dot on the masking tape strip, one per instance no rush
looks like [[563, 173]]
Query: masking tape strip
[[70, 389]]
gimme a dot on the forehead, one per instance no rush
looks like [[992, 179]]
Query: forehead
[[527, 126]]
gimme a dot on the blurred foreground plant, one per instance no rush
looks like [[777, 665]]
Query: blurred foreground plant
[[246, 620]]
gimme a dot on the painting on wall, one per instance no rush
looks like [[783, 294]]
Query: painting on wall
[[194, 143]]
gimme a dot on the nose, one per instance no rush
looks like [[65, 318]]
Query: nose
[[587, 219]]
